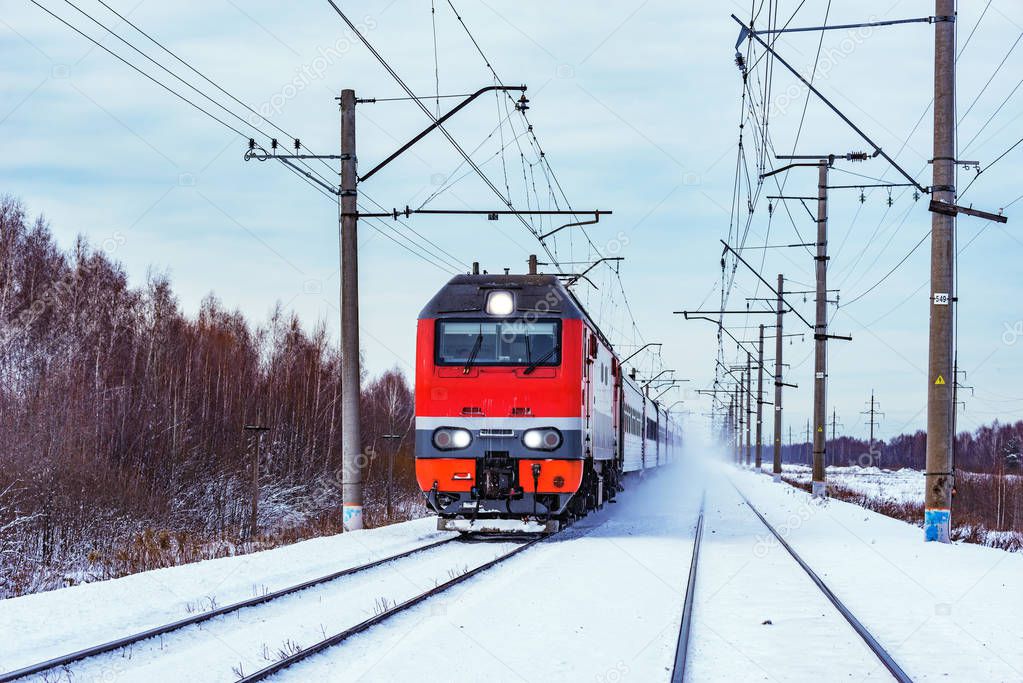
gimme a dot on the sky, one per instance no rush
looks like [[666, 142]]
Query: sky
[[636, 106]]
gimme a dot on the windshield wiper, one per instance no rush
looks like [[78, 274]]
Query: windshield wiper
[[472, 354], [532, 366]]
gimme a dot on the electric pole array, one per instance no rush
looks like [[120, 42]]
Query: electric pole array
[[939, 476], [942, 371]]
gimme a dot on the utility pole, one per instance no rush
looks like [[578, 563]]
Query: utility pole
[[731, 422], [820, 334], [875, 456], [870, 444], [727, 424], [940, 378], [394, 445], [760, 401], [809, 454], [351, 442], [834, 433], [820, 327], [776, 470], [734, 422], [738, 421], [254, 493], [749, 407]]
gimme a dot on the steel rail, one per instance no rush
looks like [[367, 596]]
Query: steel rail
[[337, 638], [678, 674], [871, 642], [103, 648]]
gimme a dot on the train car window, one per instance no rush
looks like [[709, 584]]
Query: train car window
[[498, 343]]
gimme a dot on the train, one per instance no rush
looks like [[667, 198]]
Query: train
[[524, 416]]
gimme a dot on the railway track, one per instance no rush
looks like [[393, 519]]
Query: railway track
[[681, 652], [112, 645], [678, 673], [872, 643], [338, 638]]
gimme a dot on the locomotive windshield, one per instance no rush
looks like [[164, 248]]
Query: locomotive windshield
[[498, 343]]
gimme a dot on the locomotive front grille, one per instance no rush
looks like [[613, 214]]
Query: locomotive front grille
[[497, 433]]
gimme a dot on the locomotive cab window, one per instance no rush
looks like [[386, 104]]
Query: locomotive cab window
[[463, 342]]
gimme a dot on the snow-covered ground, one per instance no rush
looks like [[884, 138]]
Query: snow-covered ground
[[944, 612], [902, 485], [603, 602], [44, 625], [600, 602]]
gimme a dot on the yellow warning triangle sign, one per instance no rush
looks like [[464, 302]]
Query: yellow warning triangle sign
[[940, 380], [819, 429]]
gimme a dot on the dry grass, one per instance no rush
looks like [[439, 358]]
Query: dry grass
[[987, 510], [132, 552]]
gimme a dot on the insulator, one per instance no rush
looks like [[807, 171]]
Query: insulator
[[740, 61], [770, 208], [273, 143], [298, 144], [863, 197], [916, 196]]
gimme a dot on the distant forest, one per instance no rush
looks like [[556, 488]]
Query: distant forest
[[992, 448], [121, 421]]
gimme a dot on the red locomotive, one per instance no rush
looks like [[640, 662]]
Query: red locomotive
[[522, 409]]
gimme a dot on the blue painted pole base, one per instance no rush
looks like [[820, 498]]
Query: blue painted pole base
[[351, 517], [936, 525]]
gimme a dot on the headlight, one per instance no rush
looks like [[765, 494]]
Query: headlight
[[500, 302], [451, 438], [544, 439]]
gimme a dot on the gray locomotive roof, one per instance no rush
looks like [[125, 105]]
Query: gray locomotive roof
[[538, 294]]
